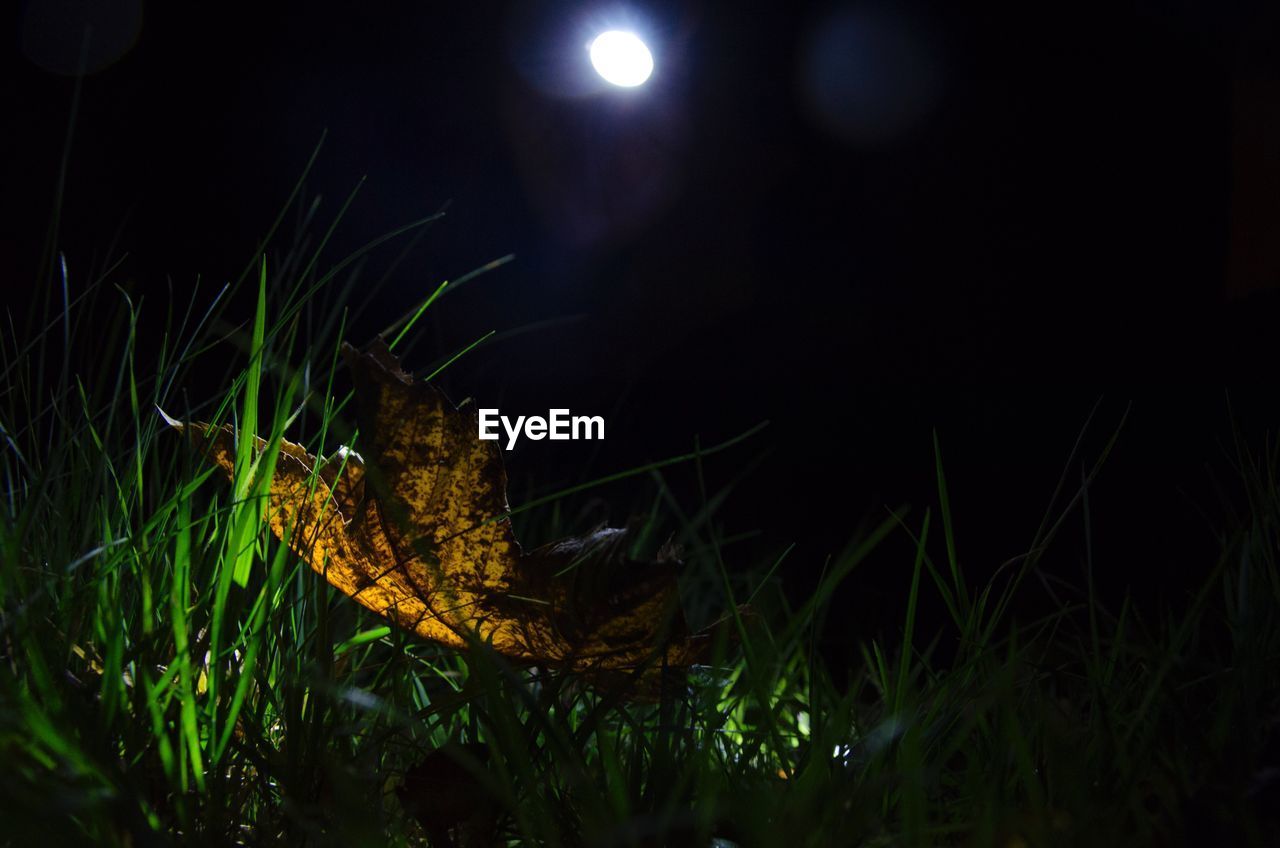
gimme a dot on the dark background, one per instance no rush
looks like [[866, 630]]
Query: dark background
[[858, 221]]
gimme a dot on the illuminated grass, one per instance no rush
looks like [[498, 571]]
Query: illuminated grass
[[170, 673]]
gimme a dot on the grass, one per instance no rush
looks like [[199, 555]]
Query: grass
[[169, 673]]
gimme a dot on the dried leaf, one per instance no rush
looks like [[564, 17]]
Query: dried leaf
[[420, 534]]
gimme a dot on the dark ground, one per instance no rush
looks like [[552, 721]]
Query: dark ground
[[1077, 209]]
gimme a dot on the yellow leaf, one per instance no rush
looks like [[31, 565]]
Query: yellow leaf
[[420, 535]]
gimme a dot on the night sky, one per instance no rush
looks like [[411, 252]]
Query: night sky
[[861, 222]]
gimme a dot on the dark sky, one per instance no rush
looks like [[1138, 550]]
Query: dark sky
[[859, 221]]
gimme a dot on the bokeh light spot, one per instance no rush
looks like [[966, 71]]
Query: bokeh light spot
[[867, 75], [73, 37]]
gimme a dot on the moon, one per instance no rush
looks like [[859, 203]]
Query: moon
[[621, 58]]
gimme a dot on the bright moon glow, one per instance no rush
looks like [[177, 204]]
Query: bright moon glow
[[621, 58]]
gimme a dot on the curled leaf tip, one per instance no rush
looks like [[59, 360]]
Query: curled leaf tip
[[171, 421]]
